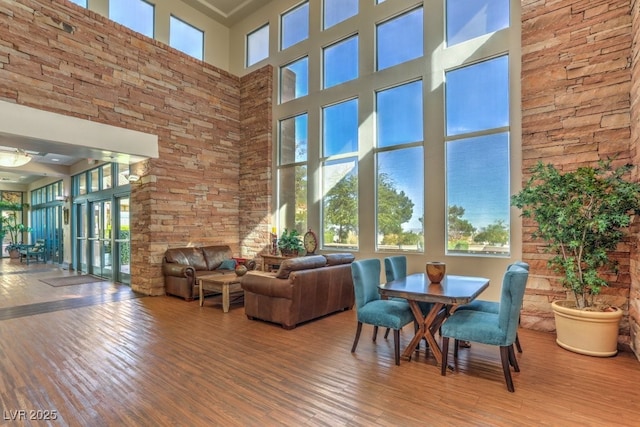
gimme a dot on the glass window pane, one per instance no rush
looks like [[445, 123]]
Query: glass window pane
[[293, 198], [340, 128], [186, 38], [123, 174], [341, 62], [135, 14], [295, 26], [293, 140], [82, 183], [399, 115], [294, 80], [469, 19], [106, 176], [340, 203], [95, 180], [478, 195], [400, 39], [82, 3], [477, 97], [258, 45], [336, 11], [400, 199]]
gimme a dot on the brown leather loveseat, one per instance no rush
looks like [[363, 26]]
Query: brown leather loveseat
[[303, 289], [183, 266]]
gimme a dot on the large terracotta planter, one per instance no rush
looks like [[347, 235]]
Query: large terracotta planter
[[594, 333]]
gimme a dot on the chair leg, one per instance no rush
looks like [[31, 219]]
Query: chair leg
[[396, 345], [518, 346], [504, 356], [456, 345], [375, 333], [445, 355], [355, 341], [512, 359], [386, 333]]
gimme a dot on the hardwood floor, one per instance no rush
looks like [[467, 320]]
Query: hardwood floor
[[105, 356]]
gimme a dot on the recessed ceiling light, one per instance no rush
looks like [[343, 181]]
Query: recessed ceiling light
[[55, 160]]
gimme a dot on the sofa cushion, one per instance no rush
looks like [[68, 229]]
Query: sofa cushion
[[214, 255], [227, 264], [187, 256], [300, 263], [337, 259]]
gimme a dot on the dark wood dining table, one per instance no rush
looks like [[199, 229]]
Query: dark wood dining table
[[452, 290]]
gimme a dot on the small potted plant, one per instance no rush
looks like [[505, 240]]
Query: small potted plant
[[15, 231], [290, 243], [582, 216]]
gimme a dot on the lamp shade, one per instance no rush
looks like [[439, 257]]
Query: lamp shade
[[14, 159]]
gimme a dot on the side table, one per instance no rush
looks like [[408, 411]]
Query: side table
[[225, 283], [270, 260]]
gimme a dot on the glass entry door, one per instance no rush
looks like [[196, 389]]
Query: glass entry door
[[99, 239], [103, 244], [122, 252]]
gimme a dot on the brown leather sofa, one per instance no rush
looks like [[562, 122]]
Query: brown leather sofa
[[183, 266], [303, 289]]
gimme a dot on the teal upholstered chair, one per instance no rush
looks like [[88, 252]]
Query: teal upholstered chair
[[372, 309], [497, 329], [493, 306]]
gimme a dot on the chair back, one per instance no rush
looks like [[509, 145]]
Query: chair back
[[520, 264], [514, 283], [366, 278], [395, 267]]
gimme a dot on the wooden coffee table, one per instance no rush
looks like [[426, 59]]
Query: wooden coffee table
[[225, 283]]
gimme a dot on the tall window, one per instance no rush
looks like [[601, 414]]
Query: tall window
[[292, 173], [400, 39], [477, 157], [295, 26], [340, 174], [400, 171], [470, 19], [336, 11], [135, 14], [341, 62], [186, 38], [257, 45], [407, 134]]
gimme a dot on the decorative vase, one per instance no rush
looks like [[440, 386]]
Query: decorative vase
[[594, 333], [436, 271], [241, 270]]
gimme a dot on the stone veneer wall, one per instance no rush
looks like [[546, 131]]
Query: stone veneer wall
[[576, 90], [634, 268], [256, 161], [59, 57]]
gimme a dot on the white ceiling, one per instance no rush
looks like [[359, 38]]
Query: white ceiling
[[226, 12], [53, 159]]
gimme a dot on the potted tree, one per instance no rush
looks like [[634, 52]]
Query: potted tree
[[15, 231], [582, 216], [290, 243]]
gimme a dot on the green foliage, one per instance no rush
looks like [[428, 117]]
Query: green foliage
[[458, 228], [394, 207], [15, 230], [495, 234], [290, 242], [341, 207], [580, 215]]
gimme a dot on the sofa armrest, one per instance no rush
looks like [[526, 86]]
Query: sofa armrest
[[178, 270]]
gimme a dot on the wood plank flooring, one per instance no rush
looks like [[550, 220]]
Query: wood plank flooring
[[113, 358]]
